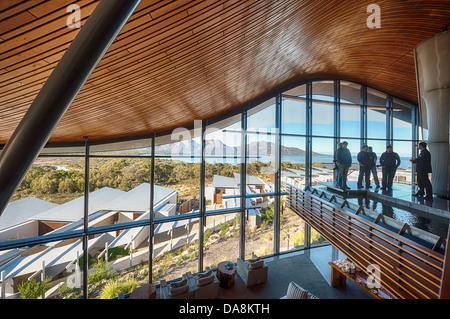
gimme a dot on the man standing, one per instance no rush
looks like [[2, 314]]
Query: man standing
[[337, 175], [373, 166], [364, 166], [423, 167], [389, 161], [343, 162]]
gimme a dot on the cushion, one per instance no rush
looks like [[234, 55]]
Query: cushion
[[311, 296], [294, 291], [178, 283], [174, 291], [205, 280], [254, 259], [256, 264], [204, 274]]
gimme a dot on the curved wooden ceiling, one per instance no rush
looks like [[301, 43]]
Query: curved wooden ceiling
[[179, 61]]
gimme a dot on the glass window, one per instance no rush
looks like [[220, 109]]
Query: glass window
[[350, 121], [292, 173], [323, 108], [376, 114], [402, 120], [222, 191], [176, 249], [48, 200], [404, 171], [34, 272], [322, 160], [294, 111], [260, 167]]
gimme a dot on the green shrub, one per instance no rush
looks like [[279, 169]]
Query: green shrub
[[102, 271], [113, 288], [33, 289]]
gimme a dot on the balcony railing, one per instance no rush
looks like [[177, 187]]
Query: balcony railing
[[407, 270]]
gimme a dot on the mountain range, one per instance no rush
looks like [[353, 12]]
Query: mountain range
[[217, 147]]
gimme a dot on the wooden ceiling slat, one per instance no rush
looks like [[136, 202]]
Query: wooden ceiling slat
[[176, 61], [9, 8], [15, 21]]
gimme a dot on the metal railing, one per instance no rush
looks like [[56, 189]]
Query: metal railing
[[407, 270]]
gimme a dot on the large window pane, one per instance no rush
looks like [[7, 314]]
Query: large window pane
[[223, 158], [404, 172], [33, 272], [376, 114], [176, 249], [292, 235], [402, 120], [49, 199], [294, 111], [323, 108], [260, 179], [322, 166]]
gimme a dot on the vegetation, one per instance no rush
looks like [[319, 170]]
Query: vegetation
[[49, 183], [33, 289]]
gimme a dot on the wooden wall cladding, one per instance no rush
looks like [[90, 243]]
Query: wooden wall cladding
[[179, 61]]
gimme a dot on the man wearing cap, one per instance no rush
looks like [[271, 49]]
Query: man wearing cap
[[389, 161], [423, 167]]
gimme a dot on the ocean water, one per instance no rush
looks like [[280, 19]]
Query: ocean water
[[289, 158]]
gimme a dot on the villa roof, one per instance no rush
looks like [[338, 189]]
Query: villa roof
[[250, 180], [22, 209], [224, 182], [138, 199], [74, 210]]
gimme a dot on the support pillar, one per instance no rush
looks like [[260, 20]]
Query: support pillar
[[432, 58]]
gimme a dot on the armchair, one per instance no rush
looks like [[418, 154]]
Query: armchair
[[253, 271]]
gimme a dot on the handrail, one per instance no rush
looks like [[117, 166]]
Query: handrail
[[311, 204], [385, 263], [410, 270]]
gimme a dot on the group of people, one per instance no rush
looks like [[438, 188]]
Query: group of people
[[389, 161]]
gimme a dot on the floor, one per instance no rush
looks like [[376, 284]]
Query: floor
[[308, 268]]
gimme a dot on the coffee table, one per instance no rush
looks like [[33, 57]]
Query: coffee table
[[225, 273]]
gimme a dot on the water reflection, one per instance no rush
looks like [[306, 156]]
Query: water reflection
[[434, 224]]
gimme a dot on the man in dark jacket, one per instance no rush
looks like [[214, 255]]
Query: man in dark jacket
[[423, 167], [343, 159], [364, 167], [389, 161]]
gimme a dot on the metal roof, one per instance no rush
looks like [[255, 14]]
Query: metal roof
[[22, 209], [74, 210], [224, 182], [138, 199]]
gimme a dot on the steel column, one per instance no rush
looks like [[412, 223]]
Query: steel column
[[363, 121], [278, 142], [308, 156], [243, 185], [61, 88], [86, 218], [152, 213], [202, 207]]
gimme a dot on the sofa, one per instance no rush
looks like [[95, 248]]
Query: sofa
[[294, 291], [252, 271], [176, 290], [205, 285]]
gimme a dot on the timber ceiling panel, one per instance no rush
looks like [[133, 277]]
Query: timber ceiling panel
[[179, 61]]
